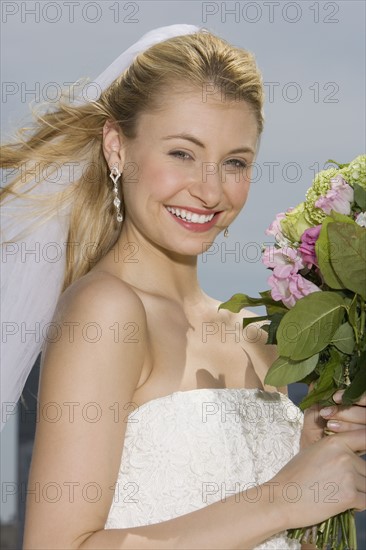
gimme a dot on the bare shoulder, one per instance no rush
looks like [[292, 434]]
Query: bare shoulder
[[254, 339], [98, 312], [90, 369], [102, 292]]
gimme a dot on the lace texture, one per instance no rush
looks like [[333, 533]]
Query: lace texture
[[190, 449]]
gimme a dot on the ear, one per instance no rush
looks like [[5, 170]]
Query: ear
[[113, 145]]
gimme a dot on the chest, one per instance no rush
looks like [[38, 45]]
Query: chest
[[206, 350]]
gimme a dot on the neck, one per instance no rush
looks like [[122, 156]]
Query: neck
[[152, 269]]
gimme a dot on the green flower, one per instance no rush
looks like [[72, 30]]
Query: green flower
[[355, 172], [321, 184], [294, 223]]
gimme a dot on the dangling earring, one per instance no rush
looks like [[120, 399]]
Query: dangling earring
[[226, 232], [115, 175]]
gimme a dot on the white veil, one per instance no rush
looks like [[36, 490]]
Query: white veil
[[32, 268]]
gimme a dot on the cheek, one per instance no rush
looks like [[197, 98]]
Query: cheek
[[238, 193], [161, 181]]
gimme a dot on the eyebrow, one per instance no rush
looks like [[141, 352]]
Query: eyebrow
[[193, 139]]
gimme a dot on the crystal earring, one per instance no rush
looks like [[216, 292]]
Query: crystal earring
[[115, 175], [226, 232]]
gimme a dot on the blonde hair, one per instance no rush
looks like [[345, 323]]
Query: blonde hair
[[71, 133]]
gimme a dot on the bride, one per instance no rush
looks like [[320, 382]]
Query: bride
[[148, 436]]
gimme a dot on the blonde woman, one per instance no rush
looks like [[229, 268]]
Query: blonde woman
[[147, 437]]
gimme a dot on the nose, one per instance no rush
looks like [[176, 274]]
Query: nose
[[207, 186]]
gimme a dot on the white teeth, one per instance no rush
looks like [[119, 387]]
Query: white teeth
[[190, 216]]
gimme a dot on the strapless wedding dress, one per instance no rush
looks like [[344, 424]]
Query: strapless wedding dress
[[192, 448]]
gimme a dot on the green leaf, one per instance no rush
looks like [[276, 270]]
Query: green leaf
[[325, 386], [278, 308], [239, 301], [348, 258], [324, 249], [272, 329], [337, 217], [272, 306], [266, 295], [352, 312], [344, 339], [323, 252], [309, 326], [337, 163], [358, 384], [338, 376], [309, 378], [355, 390], [248, 320], [285, 371], [360, 196]]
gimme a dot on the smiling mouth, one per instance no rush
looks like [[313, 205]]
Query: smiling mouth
[[191, 217]]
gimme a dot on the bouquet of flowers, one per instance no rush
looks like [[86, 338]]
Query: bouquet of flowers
[[316, 305]]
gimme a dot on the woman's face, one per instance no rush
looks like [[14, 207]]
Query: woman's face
[[187, 174]]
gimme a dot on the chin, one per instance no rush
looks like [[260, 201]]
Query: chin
[[189, 248]]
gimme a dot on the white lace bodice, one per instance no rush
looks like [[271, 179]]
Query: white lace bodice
[[189, 449]]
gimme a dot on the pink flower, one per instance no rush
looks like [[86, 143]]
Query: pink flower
[[307, 246], [338, 197], [276, 230], [283, 261], [291, 288]]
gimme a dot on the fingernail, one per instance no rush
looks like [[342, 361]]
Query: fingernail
[[333, 425], [327, 411], [337, 397]]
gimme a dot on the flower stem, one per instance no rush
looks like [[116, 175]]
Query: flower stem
[[335, 533], [342, 518], [327, 531], [352, 530], [362, 320]]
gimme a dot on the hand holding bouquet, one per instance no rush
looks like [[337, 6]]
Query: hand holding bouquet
[[316, 303]]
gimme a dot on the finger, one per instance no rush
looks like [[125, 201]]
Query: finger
[[312, 418], [339, 426], [327, 412], [353, 414], [360, 466], [360, 505], [327, 431], [337, 398], [354, 439]]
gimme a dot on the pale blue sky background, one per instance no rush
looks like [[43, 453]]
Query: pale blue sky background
[[323, 59], [318, 46]]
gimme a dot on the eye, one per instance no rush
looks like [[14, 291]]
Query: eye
[[237, 163], [180, 154]]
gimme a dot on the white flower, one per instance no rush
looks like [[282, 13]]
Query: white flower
[[361, 219]]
